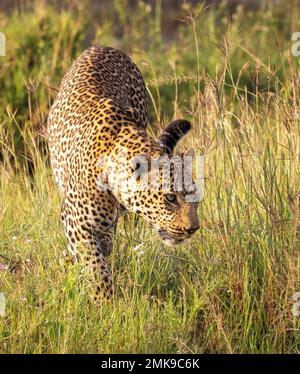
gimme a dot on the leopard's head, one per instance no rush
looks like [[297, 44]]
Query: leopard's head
[[160, 193]]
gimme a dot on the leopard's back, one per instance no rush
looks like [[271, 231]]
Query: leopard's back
[[101, 83]]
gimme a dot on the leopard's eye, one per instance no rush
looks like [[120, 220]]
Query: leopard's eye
[[170, 198]]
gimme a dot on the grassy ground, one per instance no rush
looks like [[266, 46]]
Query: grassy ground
[[227, 290]]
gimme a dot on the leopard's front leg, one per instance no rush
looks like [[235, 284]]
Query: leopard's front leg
[[89, 220], [95, 260]]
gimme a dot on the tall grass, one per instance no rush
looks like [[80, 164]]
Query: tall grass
[[227, 290]]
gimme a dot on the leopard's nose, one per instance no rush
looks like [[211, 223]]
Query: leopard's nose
[[191, 230]]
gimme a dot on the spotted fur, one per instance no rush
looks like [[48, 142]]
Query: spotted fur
[[101, 111]]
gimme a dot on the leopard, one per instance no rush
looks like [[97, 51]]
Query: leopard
[[97, 126]]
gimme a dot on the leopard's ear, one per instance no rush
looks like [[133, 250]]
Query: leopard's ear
[[172, 133]]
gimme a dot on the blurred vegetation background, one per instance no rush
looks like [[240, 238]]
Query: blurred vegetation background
[[178, 45]]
